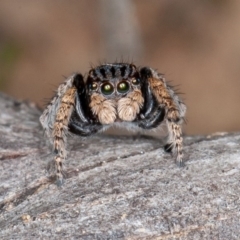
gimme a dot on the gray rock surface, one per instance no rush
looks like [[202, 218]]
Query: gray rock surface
[[116, 187]]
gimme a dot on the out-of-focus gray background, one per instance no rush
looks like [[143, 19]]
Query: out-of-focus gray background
[[196, 44]]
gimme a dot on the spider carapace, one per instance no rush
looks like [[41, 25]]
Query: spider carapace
[[118, 93]]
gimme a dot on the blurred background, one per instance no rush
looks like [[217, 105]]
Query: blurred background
[[196, 44]]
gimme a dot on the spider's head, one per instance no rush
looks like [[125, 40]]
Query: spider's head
[[114, 92], [113, 81]]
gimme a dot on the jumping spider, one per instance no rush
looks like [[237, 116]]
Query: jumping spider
[[116, 93]]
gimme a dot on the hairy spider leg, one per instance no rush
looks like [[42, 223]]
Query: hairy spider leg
[[79, 123], [150, 103], [54, 120], [154, 121], [66, 105], [48, 116], [174, 109], [60, 130], [174, 142], [151, 114]]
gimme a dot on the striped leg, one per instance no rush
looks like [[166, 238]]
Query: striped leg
[[60, 130], [175, 111], [174, 142]]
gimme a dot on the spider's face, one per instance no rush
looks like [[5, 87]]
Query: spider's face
[[113, 81], [114, 92]]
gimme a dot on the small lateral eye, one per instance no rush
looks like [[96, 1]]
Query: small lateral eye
[[135, 81], [93, 86], [107, 89], [123, 87]]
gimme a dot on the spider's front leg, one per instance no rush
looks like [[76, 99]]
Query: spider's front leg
[[151, 115], [60, 130], [74, 116], [66, 113], [170, 108], [82, 121]]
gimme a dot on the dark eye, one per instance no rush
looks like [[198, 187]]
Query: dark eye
[[123, 87], [107, 89], [135, 81], [93, 86]]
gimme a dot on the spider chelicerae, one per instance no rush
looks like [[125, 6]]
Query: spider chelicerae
[[113, 94]]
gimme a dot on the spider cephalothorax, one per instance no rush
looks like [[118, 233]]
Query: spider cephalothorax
[[110, 94], [114, 92]]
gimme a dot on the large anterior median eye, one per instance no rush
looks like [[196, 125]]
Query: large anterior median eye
[[107, 89], [123, 87]]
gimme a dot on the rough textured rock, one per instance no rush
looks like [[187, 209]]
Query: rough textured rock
[[116, 187]]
